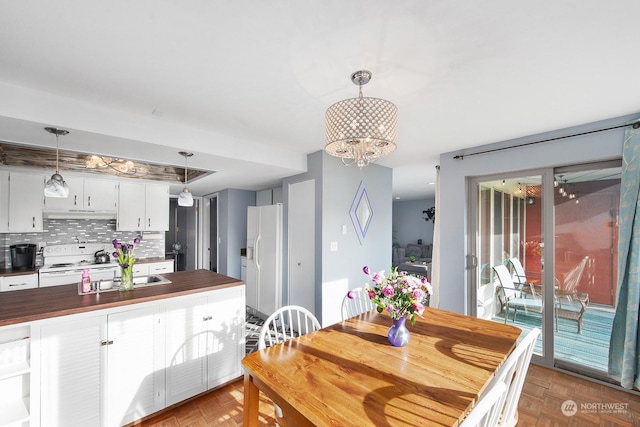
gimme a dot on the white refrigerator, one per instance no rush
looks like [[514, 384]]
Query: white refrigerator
[[264, 258]]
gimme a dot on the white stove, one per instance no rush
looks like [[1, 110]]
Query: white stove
[[63, 264]]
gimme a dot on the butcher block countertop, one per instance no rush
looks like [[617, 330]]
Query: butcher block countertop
[[42, 303]]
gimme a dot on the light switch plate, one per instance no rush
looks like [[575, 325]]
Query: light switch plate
[[334, 246]]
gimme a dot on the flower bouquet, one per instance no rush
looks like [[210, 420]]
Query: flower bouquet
[[401, 295], [124, 253]]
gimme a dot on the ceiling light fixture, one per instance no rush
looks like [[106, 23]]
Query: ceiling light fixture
[[56, 186], [185, 198], [361, 130], [121, 166]]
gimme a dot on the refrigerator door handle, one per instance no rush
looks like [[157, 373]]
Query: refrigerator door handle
[[257, 251]]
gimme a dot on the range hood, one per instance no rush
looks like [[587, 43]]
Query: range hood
[[78, 214]]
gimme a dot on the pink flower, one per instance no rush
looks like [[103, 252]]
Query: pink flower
[[365, 269], [388, 291], [372, 294], [418, 294], [419, 308], [377, 278], [350, 295]]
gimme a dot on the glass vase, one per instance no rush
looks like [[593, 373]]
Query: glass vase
[[398, 333], [126, 283]]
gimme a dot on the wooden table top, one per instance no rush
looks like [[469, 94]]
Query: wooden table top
[[349, 375]]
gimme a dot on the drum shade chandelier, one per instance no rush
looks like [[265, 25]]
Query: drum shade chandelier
[[361, 130], [56, 186], [185, 198]]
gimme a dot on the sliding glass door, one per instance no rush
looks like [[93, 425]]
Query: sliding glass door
[[561, 226]]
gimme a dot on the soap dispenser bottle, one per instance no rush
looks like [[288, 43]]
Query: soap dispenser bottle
[[86, 281]]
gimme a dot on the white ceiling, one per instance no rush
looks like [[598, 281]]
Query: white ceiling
[[245, 84]]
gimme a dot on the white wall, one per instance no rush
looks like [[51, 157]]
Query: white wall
[[453, 188]]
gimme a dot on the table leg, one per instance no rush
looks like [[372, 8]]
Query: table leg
[[251, 402]]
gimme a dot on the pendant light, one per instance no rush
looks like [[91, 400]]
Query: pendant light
[[185, 198], [56, 186]]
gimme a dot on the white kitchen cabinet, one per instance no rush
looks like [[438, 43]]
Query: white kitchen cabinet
[[74, 201], [100, 195], [206, 350], [15, 375], [140, 269], [157, 207], [4, 201], [135, 371], [161, 267], [26, 195], [102, 370], [73, 357], [18, 282], [85, 195], [143, 207]]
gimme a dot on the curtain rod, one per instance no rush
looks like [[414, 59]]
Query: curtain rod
[[635, 125]]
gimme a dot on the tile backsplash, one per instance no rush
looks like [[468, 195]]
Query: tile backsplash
[[65, 231]]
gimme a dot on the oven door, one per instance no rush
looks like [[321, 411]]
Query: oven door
[[74, 275]]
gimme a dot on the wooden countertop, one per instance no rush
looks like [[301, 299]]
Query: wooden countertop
[[4, 272], [43, 303]]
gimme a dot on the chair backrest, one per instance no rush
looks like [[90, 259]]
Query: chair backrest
[[506, 282], [572, 278], [513, 372], [360, 303], [286, 323], [487, 411], [519, 276]]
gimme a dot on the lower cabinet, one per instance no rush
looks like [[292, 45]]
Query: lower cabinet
[[207, 350], [115, 366], [104, 370]]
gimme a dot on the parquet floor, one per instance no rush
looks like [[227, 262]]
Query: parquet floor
[[544, 393]]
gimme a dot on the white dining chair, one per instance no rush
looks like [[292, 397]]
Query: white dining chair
[[487, 411], [283, 325], [513, 372], [360, 303]]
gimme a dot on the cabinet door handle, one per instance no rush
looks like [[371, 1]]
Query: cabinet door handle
[[149, 222], [88, 200], [138, 222], [103, 343], [205, 318], [75, 200], [33, 224]]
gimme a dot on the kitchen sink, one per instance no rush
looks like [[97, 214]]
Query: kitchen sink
[[113, 285]]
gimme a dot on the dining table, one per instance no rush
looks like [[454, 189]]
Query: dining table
[[348, 374]]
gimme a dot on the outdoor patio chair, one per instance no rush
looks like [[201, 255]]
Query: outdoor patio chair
[[511, 296]]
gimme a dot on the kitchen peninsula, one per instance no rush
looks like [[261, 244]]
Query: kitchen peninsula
[[112, 358]]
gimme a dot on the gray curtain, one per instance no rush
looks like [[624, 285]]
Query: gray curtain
[[624, 349]]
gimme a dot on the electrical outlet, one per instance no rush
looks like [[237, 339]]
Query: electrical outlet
[[42, 245]]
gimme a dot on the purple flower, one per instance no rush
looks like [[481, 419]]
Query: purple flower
[[115, 254], [137, 240], [365, 269], [125, 265], [117, 245], [350, 295], [130, 246]]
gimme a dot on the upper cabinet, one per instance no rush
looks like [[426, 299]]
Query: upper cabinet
[[143, 207], [86, 195], [26, 194]]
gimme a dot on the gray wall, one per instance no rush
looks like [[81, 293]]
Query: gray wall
[[232, 222], [336, 187], [453, 186], [409, 224]]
